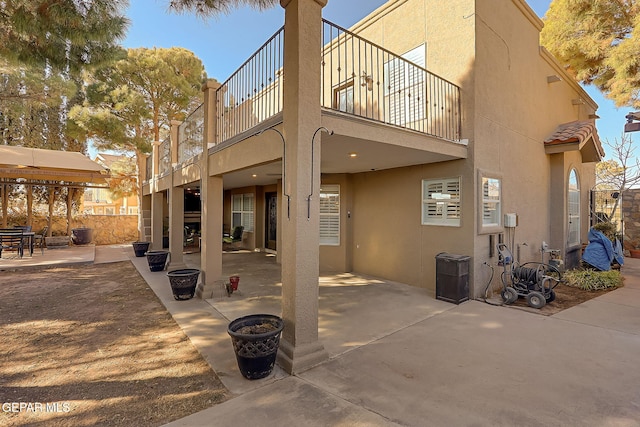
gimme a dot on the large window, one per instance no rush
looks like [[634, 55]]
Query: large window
[[441, 202], [330, 215], [491, 201], [242, 211], [405, 87], [573, 209]]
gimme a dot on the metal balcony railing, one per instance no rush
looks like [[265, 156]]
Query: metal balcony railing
[[191, 135], [165, 157], [366, 80], [254, 92]]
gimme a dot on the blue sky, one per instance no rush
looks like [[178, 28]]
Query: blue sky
[[225, 42]]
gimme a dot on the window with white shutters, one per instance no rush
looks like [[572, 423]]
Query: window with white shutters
[[405, 87], [330, 215], [242, 211], [441, 202]]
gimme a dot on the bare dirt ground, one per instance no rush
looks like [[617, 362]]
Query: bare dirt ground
[[566, 297], [92, 345]]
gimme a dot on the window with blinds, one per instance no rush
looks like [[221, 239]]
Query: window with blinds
[[405, 87], [491, 203], [441, 202], [330, 215], [242, 211]]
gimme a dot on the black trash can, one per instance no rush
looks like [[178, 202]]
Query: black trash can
[[452, 277]]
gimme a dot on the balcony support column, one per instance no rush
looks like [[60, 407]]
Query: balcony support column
[[157, 214], [300, 348], [211, 202]]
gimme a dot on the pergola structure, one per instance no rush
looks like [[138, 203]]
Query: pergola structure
[[36, 166]]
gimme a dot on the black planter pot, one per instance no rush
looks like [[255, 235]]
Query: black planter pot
[[157, 260], [141, 248], [81, 236], [183, 282], [255, 341]]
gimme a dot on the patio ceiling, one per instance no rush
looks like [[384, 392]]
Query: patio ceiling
[[36, 164]]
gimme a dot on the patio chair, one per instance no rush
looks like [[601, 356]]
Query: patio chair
[[236, 236], [38, 239], [12, 239]]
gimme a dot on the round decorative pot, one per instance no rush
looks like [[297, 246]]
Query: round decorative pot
[[635, 253], [81, 236], [140, 248], [157, 260], [255, 341], [183, 282]]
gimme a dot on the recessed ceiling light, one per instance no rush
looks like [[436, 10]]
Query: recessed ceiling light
[[254, 175], [353, 154]]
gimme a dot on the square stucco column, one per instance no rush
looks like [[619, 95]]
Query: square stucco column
[[300, 348], [211, 236], [157, 213], [176, 227]]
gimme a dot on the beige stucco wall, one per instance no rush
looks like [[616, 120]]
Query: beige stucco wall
[[489, 48]]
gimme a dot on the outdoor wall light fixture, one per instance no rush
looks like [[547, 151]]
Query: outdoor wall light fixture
[[553, 78], [366, 81], [330, 132]]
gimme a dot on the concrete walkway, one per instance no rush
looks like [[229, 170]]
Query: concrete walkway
[[400, 357]]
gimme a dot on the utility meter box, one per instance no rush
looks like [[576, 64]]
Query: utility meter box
[[452, 277], [510, 220]]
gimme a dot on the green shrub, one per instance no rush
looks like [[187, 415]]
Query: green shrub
[[592, 280]]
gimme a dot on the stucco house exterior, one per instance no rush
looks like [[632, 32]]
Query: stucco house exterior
[[374, 149]]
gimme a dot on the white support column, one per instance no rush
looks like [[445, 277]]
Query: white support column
[[300, 348]]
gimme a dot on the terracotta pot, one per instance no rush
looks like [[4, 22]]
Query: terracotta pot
[[635, 253]]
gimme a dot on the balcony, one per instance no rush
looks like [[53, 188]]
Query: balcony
[[361, 82]]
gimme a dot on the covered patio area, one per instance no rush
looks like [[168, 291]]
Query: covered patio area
[[354, 310]]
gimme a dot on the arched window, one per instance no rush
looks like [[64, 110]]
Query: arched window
[[573, 209]]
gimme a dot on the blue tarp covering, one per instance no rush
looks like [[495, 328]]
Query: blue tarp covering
[[600, 252]]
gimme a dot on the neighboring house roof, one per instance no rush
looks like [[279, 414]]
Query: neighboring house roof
[[576, 135], [107, 160]]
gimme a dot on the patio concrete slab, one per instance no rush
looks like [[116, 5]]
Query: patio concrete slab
[[400, 357], [69, 255], [289, 402]]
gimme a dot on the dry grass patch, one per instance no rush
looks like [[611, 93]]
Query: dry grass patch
[[93, 345]]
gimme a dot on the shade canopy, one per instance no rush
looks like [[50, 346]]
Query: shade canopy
[[33, 164]]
